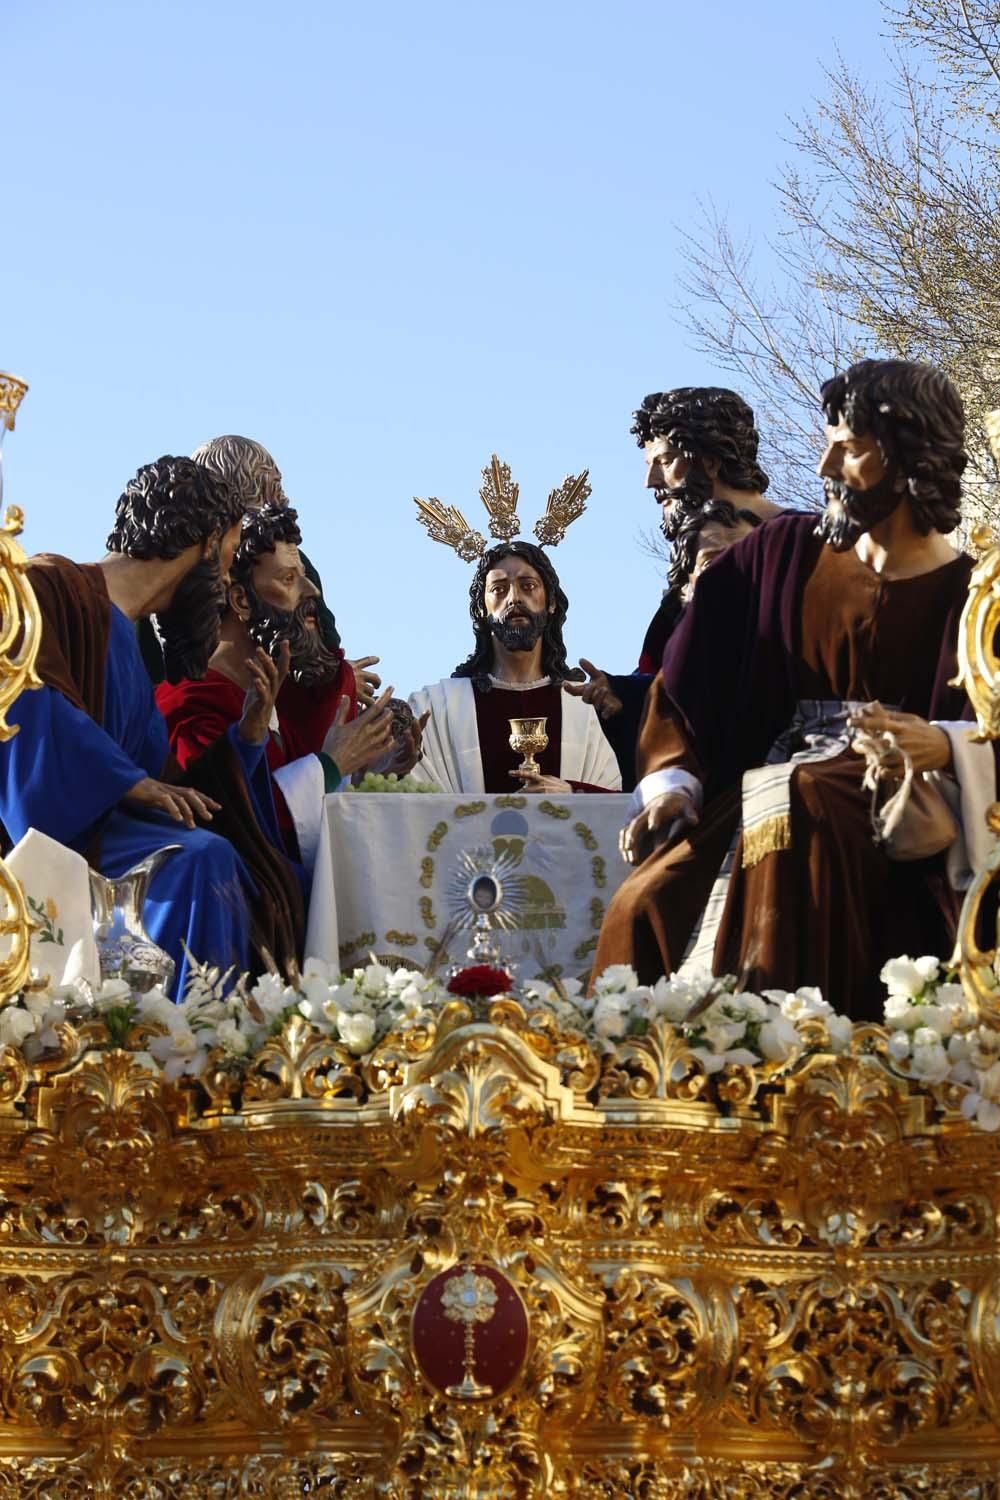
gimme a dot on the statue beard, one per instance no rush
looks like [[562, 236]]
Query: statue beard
[[190, 629], [520, 637], [685, 500], [311, 660], [850, 513]]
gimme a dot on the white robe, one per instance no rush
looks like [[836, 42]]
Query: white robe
[[451, 755]]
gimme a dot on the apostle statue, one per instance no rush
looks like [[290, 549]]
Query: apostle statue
[[88, 765], [277, 680], [517, 670], [700, 448], [757, 842]]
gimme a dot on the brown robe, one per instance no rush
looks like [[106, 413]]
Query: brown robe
[[833, 907]]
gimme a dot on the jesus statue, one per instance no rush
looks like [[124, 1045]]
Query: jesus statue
[[516, 671]]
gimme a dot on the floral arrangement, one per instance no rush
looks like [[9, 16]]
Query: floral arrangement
[[934, 1037]]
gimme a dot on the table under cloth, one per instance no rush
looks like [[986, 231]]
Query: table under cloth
[[386, 861]]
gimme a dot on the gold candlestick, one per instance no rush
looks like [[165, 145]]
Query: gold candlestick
[[528, 736]]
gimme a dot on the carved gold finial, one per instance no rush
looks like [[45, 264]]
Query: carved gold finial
[[446, 524], [499, 494], [20, 621], [12, 393], [564, 506], [20, 636]]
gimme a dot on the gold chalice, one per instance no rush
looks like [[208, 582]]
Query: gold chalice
[[528, 736]]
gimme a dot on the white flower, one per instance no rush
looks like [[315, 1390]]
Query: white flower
[[988, 1115], [616, 978], [747, 1004], [180, 1052], [901, 1014], [272, 996], [16, 1025], [779, 1039], [318, 968], [929, 1061], [671, 999], [157, 1009], [721, 1035], [899, 1045], [112, 994], [908, 976], [714, 1062], [989, 1082], [806, 1001], [372, 981], [840, 1029], [936, 1018], [231, 1039], [357, 1031], [610, 1017]]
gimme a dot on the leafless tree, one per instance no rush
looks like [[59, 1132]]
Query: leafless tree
[[888, 242]]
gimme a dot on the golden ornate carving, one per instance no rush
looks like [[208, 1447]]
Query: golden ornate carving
[[211, 1287], [565, 505], [20, 637], [499, 494], [12, 392]]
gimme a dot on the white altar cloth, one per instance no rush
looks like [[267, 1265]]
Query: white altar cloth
[[385, 862]]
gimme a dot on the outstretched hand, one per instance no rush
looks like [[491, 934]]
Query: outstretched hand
[[662, 821], [361, 744], [266, 679], [405, 751], [597, 691], [366, 683]]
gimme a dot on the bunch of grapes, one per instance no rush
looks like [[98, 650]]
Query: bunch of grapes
[[371, 782]]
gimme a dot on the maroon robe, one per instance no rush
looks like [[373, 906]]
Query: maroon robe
[[779, 618]]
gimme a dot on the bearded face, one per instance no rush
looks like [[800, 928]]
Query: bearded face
[[311, 661], [190, 629], [679, 502], [861, 488], [519, 627], [850, 513]]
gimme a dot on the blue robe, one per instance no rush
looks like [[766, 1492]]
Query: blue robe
[[66, 776]]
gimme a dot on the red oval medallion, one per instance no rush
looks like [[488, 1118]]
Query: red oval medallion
[[470, 1332]]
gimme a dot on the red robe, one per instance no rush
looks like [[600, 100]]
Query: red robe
[[199, 713]]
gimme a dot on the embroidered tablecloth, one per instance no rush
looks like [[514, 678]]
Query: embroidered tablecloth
[[386, 861]]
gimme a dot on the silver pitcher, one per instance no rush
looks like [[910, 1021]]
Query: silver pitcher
[[124, 948]]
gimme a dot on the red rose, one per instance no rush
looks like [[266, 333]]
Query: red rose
[[480, 979]]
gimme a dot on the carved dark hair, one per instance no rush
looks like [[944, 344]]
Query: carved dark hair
[[684, 553], [170, 505], [705, 421], [260, 534], [479, 664], [915, 414]]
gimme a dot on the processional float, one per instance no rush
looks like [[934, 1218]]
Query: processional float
[[487, 1260]]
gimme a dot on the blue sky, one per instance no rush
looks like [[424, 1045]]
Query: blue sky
[[385, 241]]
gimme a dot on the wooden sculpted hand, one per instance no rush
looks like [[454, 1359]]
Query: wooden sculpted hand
[[597, 691], [661, 822], [367, 683], [359, 745], [182, 803], [928, 747], [266, 678], [405, 751]]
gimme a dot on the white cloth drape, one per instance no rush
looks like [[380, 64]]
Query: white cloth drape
[[451, 755]]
